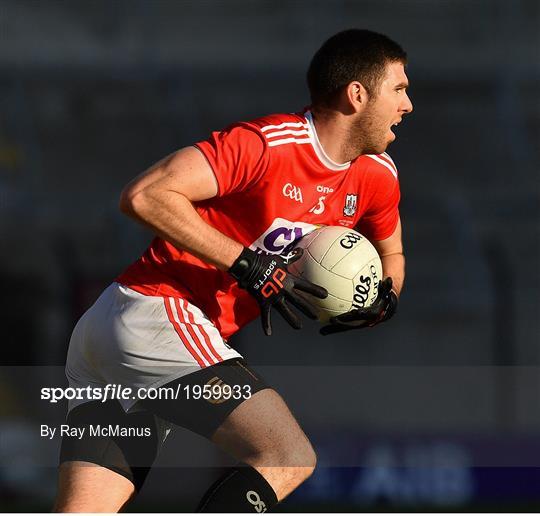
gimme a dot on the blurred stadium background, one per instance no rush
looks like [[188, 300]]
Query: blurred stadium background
[[440, 408]]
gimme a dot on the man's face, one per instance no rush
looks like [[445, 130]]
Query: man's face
[[384, 110]]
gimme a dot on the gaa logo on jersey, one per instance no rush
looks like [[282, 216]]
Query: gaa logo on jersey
[[292, 192], [350, 205]]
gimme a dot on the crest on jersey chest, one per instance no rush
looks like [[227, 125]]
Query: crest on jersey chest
[[351, 201]]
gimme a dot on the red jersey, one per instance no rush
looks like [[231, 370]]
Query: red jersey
[[276, 184]]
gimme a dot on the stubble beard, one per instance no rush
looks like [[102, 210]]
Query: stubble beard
[[365, 137]]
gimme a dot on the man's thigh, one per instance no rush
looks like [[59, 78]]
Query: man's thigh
[[232, 405], [105, 456], [264, 428], [103, 434], [258, 430], [87, 487]]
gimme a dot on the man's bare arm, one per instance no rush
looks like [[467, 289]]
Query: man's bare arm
[[393, 261], [161, 198]]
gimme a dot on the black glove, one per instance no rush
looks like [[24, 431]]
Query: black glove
[[267, 279], [384, 307]]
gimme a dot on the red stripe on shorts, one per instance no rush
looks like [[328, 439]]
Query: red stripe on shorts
[[191, 331], [176, 326], [203, 333]]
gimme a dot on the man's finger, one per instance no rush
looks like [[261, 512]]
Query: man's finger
[[303, 305], [355, 316], [306, 286], [266, 320], [288, 314], [385, 287]]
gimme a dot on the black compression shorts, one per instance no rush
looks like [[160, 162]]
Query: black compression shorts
[[128, 443]]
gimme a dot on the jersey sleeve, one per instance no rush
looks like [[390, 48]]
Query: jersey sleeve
[[380, 219], [238, 156]]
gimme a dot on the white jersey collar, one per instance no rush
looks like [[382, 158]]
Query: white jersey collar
[[317, 147]]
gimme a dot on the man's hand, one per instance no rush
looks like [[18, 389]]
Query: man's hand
[[381, 310], [267, 279]]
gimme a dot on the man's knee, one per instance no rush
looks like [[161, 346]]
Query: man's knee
[[301, 463], [263, 433], [299, 454], [296, 453], [294, 462], [310, 461]]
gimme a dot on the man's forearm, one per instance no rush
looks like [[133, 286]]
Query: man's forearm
[[394, 266], [172, 216]]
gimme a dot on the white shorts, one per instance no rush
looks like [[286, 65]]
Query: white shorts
[[139, 341]]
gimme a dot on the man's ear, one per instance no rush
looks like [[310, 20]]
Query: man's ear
[[357, 96]]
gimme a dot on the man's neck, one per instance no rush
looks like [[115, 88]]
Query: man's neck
[[333, 135]]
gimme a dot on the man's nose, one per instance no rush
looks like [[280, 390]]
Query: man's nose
[[407, 106]]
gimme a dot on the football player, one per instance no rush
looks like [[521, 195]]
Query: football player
[[226, 213]]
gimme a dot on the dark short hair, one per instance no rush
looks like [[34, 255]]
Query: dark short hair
[[351, 55]]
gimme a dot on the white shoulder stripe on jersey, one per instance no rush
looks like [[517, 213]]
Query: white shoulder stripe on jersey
[[283, 125], [387, 156], [287, 131], [273, 143], [382, 162]]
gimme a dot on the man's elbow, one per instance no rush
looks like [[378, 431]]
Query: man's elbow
[[132, 202]]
